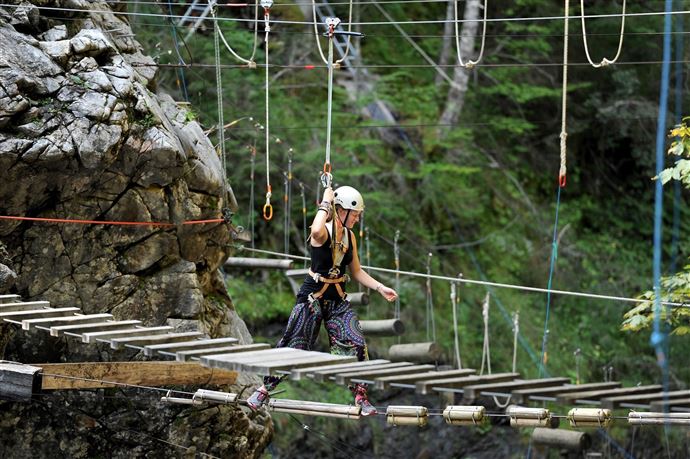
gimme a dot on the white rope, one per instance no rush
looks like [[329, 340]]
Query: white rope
[[492, 284], [219, 96], [267, 29], [454, 303], [316, 34], [396, 254], [516, 333], [470, 63], [605, 61], [250, 62], [326, 177], [486, 350], [430, 321], [564, 99]]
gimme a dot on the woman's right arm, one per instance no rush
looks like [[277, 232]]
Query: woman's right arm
[[319, 233]]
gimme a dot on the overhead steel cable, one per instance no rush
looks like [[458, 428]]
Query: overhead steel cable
[[368, 23]]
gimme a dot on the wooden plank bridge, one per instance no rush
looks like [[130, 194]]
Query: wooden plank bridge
[[464, 385]]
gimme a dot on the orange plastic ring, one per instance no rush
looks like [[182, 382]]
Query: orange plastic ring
[[268, 212], [561, 181], [327, 168]]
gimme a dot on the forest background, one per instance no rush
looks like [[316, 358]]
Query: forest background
[[477, 190]]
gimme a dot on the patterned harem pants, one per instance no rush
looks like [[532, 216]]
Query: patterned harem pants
[[342, 325]]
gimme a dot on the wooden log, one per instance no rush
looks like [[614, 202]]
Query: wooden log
[[370, 375], [473, 391], [226, 361], [287, 364], [409, 381], [80, 329], [550, 393], [358, 298], [384, 327], [18, 382], [682, 404], [188, 345], [257, 263], [300, 373], [76, 319], [641, 400], [314, 408], [9, 298], [135, 331], [18, 316], [23, 306], [139, 373], [570, 440], [183, 356], [585, 396], [145, 340], [424, 387], [428, 352]]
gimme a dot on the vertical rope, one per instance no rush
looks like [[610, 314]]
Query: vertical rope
[[287, 202], [678, 109], [251, 192], [604, 62], [304, 221], [396, 253], [486, 350], [268, 209], [659, 337], [430, 321], [456, 340], [578, 357], [516, 332], [470, 63], [221, 123], [564, 99], [329, 108]]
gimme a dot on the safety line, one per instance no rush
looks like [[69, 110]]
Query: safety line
[[110, 222], [487, 283], [370, 23]]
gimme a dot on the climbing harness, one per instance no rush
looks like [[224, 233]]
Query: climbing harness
[[430, 322], [454, 304], [605, 61], [470, 63], [250, 62], [268, 208], [486, 350]]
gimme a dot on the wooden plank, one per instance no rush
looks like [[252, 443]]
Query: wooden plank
[[409, 381], [473, 391], [50, 321], [23, 306], [424, 387], [18, 316], [134, 331], [326, 374], [550, 393], [145, 340], [370, 375], [139, 373], [226, 360], [593, 395], [17, 381], [681, 404], [301, 373], [8, 298], [188, 345], [641, 400], [78, 329], [183, 356], [267, 368]]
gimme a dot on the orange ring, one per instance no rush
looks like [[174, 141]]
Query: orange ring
[[268, 212], [561, 181], [327, 168]]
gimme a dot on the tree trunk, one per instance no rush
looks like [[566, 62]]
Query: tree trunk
[[447, 44], [461, 76]]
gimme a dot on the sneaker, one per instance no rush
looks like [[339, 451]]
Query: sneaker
[[362, 400], [258, 398]]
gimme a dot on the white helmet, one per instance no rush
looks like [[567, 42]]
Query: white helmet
[[349, 199]]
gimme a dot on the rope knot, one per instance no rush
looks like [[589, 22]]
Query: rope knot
[[251, 64]]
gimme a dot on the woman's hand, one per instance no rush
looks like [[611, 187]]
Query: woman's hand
[[387, 292]]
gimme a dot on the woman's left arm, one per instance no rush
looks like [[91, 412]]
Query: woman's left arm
[[364, 278]]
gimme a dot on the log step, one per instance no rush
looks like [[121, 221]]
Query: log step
[[473, 391], [46, 323], [23, 306], [183, 356], [188, 345], [79, 329], [409, 381], [641, 400], [9, 298], [301, 373], [134, 331], [145, 340], [549, 393], [370, 375], [586, 396], [456, 384], [18, 316]]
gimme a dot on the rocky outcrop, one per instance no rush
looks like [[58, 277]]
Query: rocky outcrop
[[85, 134]]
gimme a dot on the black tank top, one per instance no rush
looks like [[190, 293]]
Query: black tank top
[[322, 262]]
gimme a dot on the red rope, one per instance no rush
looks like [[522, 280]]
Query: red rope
[[107, 222]]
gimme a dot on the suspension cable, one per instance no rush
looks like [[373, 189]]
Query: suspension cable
[[605, 61], [470, 63]]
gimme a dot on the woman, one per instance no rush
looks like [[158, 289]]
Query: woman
[[322, 295]]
